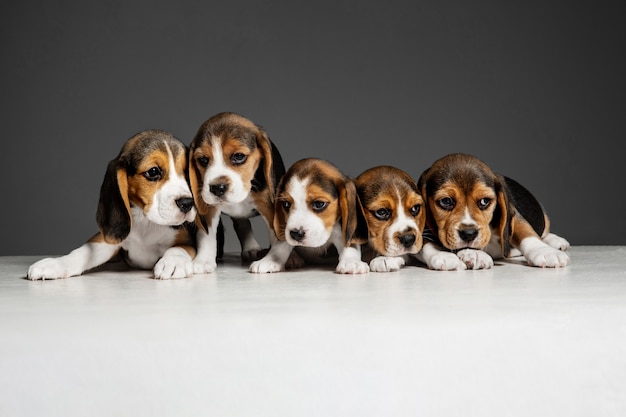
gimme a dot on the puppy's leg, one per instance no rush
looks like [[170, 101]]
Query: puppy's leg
[[176, 262], [275, 259], [540, 254], [350, 259], [475, 258], [81, 259], [387, 263], [250, 248], [205, 261], [440, 260], [556, 241]]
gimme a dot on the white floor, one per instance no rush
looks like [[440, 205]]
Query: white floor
[[511, 341]]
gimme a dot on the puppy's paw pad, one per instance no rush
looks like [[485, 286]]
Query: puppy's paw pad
[[265, 266], [557, 242], [547, 257], [446, 261], [173, 267], [475, 259], [352, 267], [386, 263], [203, 266], [48, 268]]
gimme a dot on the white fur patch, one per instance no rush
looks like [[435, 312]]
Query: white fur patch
[[301, 217]]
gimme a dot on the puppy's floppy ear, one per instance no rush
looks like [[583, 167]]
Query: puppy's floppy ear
[[113, 215], [348, 206], [195, 183], [279, 221], [361, 233], [503, 215], [271, 166], [429, 220]]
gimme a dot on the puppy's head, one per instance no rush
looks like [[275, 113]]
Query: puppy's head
[[393, 210], [466, 201], [311, 199], [149, 173], [229, 157]]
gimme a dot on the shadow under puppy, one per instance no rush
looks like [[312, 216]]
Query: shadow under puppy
[[315, 210], [394, 214], [143, 212], [475, 215], [233, 169]]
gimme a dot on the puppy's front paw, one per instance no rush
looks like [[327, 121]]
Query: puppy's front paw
[[352, 266], [204, 266], [475, 259], [556, 241], [547, 257], [50, 268], [386, 263], [173, 266], [265, 266], [446, 261]]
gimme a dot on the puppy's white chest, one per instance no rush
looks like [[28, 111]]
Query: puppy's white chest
[[245, 209], [147, 241]]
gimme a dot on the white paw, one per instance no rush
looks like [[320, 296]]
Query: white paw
[[547, 257], [204, 266], [446, 261], [352, 266], [50, 268], [475, 259], [173, 266], [386, 263], [265, 266], [556, 241]]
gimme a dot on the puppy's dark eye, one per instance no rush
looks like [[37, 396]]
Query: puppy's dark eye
[[415, 209], [483, 203], [153, 174], [447, 203], [203, 161], [382, 214], [319, 205], [286, 205], [238, 158]]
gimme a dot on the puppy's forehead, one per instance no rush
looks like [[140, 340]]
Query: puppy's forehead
[[386, 181], [146, 144], [226, 127], [321, 175], [462, 171]]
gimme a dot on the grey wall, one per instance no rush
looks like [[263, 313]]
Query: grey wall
[[535, 90]]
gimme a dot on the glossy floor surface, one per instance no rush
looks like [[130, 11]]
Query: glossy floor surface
[[510, 341]]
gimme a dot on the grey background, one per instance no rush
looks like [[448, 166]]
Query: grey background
[[535, 89]]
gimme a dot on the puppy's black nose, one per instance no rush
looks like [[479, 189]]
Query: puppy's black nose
[[468, 234], [185, 204], [407, 240], [297, 235], [218, 189]]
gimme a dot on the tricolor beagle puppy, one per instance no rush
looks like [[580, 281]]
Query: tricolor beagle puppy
[[145, 204], [233, 169], [474, 214], [394, 213], [315, 209]]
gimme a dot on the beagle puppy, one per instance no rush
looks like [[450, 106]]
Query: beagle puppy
[[315, 210], [143, 213], [233, 169], [474, 214], [394, 213]]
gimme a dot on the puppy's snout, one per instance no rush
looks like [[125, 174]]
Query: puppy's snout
[[218, 189], [407, 240], [467, 235], [185, 204], [297, 234]]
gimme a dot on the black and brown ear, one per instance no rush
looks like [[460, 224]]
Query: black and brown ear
[[348, 207], [361, 233], [195, 183], [272, 167], [279, 222], [113, 215], [422, 186], [503, 215]]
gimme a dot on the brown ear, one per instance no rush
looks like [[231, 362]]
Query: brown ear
[[279, 221], [272, 168], [503, 215], [348, 207], [195, 182], [361, 233], [429, 220], [113, 215]]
